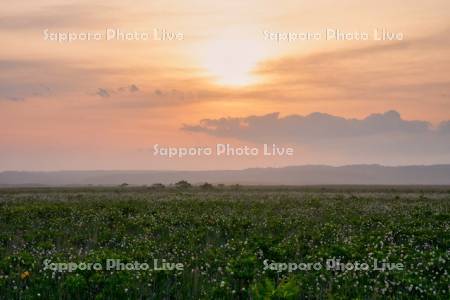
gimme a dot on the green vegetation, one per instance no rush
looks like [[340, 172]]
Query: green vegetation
[[222, 236]]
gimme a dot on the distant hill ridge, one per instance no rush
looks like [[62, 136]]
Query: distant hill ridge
[[293, 175]]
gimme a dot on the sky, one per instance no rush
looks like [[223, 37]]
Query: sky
[[221, 73]]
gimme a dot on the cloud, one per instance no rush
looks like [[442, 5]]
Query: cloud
[[23, 78], [315, 126], [14, 98], [102, 93], [395, 70], [378, 136], [133, 88], [59, 16], [130, 88], [106, 93], [17, 83], [89, 15], [411, 72]]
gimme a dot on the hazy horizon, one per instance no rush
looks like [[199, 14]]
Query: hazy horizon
[[293, 175], [225, 169]]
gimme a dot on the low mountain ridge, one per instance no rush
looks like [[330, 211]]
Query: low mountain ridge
[[292, 175]]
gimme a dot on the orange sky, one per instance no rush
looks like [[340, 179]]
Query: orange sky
[[104, 104]]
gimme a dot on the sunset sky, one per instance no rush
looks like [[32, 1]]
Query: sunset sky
[[103, 104]]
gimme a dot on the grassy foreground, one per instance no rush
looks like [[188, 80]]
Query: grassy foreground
[[232, 243]]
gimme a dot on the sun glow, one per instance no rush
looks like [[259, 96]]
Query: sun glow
[[232, 62]]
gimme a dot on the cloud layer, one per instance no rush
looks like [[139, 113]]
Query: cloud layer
[[376, 138]]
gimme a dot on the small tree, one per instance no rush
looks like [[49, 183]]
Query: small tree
[[158, 186], [207, 186], [237, 186], [183, 184]]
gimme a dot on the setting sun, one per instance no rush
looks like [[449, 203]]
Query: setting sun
[[231, 62]]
